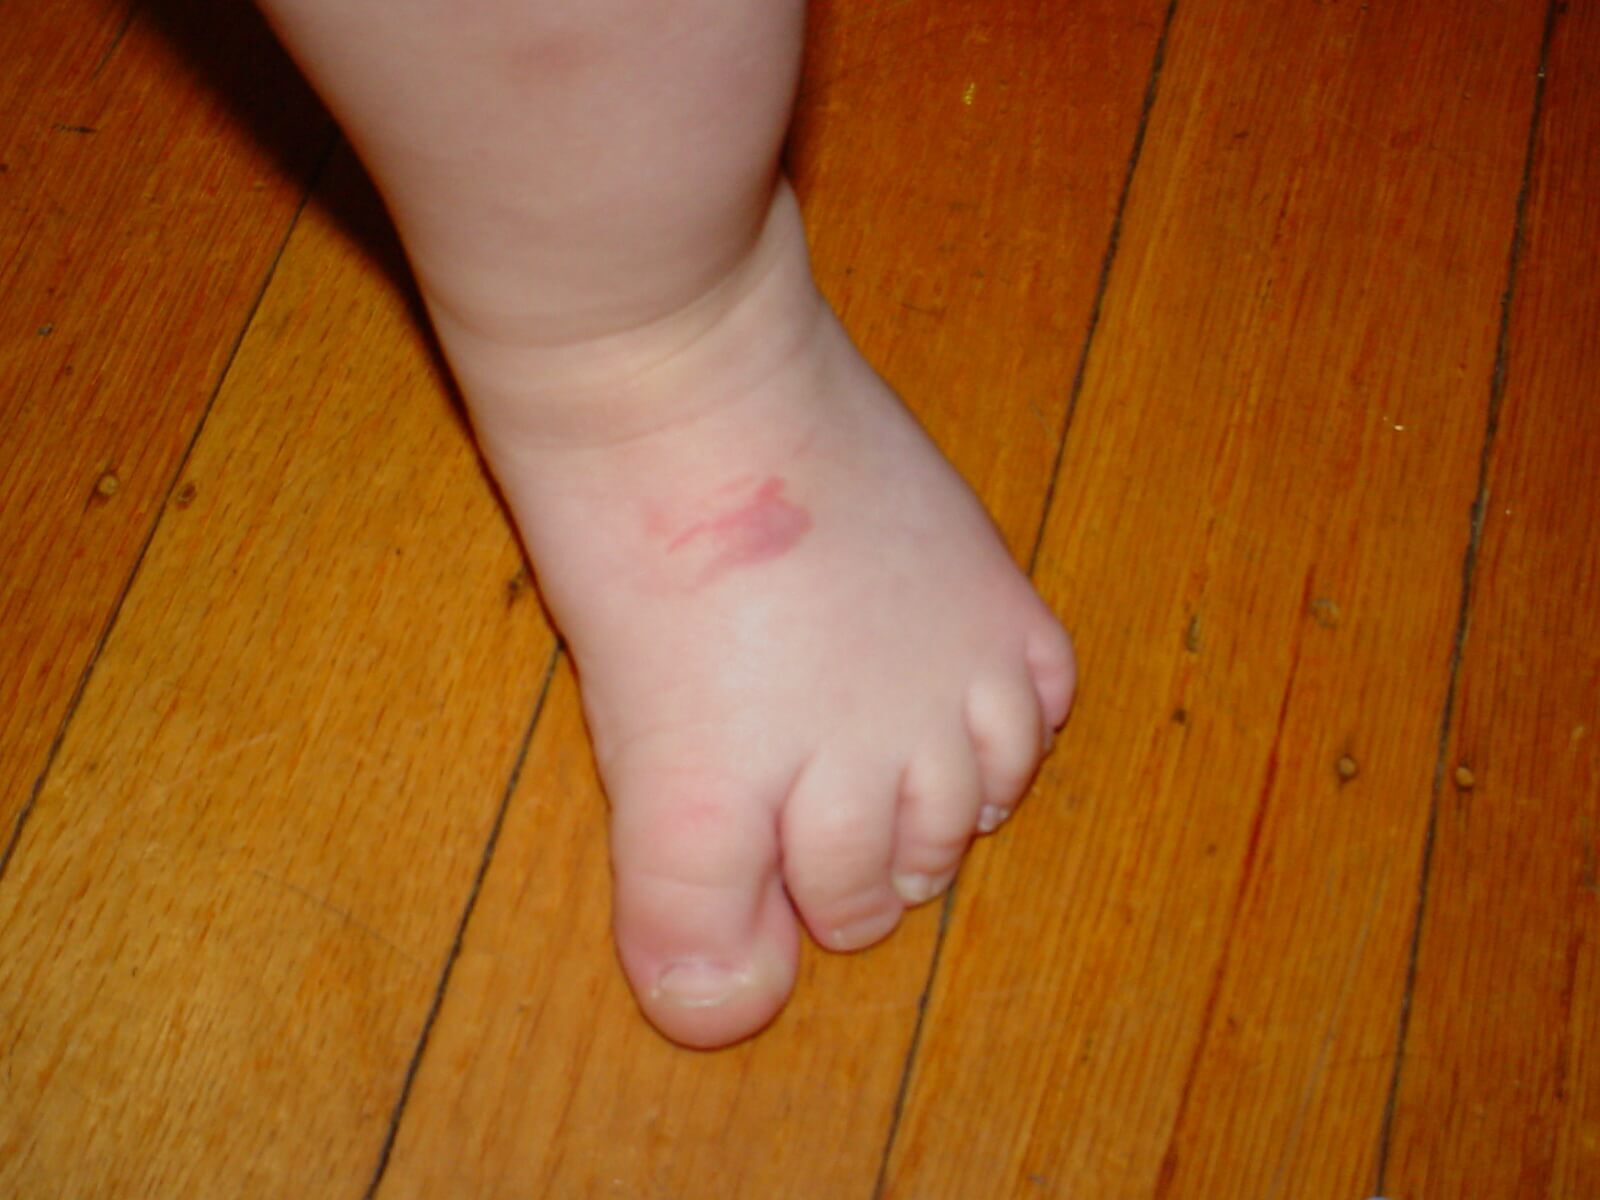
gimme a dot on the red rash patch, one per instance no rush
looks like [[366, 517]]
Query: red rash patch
[[761, 527]]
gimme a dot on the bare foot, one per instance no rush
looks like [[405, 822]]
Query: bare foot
[[810, 669]]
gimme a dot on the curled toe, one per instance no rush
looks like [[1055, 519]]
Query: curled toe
[[939, 799], [838, 829], [915, 887], [1007, 731], [1054, 668]]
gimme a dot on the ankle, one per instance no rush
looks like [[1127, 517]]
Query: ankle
[[613, 384]]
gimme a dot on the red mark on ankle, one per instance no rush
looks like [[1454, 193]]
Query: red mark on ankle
[[760, 526]]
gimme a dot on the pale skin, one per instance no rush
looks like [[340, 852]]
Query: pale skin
[[811, 671]]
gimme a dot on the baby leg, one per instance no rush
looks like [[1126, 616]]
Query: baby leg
[[810, 670]]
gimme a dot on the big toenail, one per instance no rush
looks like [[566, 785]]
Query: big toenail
[[696, 985], [916, 888], [863, 933], [991, 817]]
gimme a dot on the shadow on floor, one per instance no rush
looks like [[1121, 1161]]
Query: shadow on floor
[[237, 57], [234, 54]]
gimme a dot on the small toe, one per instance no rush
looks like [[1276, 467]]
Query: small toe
[[705, 932], [1007, 731], [838, 830], [1054, 669], [940, 795]]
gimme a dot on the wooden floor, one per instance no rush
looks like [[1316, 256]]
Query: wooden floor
[[1270, 333]]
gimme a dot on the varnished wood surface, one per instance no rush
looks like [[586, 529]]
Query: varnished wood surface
[[1499, 1087], [1267, 333], [1262, 514], [143, 209]]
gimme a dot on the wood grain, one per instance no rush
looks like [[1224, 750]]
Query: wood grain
[[142, 211], [1500, 1090], [324, 810], [1179, 974], [228, 916], [969, 272], [961, 164]]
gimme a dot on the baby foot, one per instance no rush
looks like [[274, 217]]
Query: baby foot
[[810, 669]]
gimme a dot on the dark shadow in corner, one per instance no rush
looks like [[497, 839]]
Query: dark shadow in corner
[[230, 49], [236, 56]]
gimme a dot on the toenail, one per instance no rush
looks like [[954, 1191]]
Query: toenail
[[696, 985], [991, 817], [916, 888], [860, 934]]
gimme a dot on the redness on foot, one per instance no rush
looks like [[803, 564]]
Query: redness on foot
[[759, 525]]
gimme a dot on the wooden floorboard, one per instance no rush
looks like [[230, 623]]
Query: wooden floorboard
[[1186, 959], [142, 212], [969, 272], [312, 899], [228, 916], [1500, 1092]]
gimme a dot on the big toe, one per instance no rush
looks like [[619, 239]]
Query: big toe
[[704, 928]]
